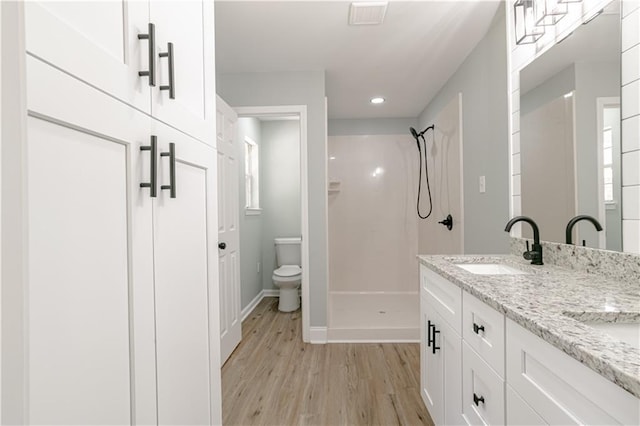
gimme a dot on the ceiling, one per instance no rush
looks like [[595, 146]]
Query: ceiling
[[407, 59]]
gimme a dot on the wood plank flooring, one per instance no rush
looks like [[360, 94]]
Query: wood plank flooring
[[273, 378]]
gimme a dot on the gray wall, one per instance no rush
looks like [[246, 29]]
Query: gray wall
[[296, 88], [250, 226], [280, 196], [593, 80], [371, 126], [482, 79]]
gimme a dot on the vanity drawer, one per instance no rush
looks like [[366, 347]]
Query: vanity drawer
[[445, 297], [483, 330], [482, 391], [561, 389]]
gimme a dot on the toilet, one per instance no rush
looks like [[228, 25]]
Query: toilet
[[288, 276]]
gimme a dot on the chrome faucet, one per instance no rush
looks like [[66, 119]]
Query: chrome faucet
[[535, 254], [577, 219]]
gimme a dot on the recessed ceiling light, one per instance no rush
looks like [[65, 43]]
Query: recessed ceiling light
[[377, 100]]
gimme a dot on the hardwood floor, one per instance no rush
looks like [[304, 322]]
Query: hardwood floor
[[273, 378]]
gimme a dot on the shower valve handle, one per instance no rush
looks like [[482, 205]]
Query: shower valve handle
[[448, 222]]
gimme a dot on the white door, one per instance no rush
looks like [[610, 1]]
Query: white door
[[186, 290], [90, 256], [228, 234], [96, 42], [184, 96]]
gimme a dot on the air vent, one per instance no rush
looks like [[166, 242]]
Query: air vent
[[367, 12]]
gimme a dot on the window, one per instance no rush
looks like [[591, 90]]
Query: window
[[607, 163], [251, 175]]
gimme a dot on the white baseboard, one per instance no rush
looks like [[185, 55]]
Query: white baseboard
[[381, 335], [271, 292], [318, 335], [252, 305]]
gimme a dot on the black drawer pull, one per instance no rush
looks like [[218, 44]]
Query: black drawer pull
[[434, 348], [152, 184], [172, 169], [478, 328], [151, 36], [477, 399], [172, 86]]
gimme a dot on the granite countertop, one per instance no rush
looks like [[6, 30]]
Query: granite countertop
[[551, 301]]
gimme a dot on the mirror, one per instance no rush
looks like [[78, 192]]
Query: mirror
[[570, 135]]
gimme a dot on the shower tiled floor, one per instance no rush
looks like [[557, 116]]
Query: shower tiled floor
[[374, 316]]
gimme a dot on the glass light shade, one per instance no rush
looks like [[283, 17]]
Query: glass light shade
[[548, 12], [524, 22]]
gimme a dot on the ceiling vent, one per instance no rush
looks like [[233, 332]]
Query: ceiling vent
[[367, 12]]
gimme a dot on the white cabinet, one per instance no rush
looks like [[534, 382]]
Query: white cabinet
[[508, 375], [108, 44], [559, 388], [187, 25], [441, 349], [122, 297]]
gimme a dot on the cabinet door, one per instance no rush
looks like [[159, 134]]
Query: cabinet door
[[442, 381], [482, 391], [96, 42], [186, 283], [188, 25], [90, 257]]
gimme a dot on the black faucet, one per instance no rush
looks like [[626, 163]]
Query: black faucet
[[577, 219], [535, 254]]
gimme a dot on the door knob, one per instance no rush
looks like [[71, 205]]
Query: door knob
[[222, 246]]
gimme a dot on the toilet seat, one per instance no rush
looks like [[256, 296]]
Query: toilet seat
[[287, 271]]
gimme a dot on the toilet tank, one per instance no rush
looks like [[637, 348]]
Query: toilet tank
[[288, 251]]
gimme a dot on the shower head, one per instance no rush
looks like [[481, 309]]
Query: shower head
[[415, 135]]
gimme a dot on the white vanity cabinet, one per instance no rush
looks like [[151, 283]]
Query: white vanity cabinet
[[508, 374], [440, 348]]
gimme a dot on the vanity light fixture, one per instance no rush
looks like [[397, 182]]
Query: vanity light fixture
[[549, 12], [524, 22], [377, 100]]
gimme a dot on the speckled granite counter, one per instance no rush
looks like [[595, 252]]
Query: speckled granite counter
[[550, 300]]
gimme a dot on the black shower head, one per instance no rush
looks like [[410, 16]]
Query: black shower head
[[413, 132]]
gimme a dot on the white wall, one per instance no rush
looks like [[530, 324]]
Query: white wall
[[296, 88], [280, 196], [482, 79], [250, 226], [373, 226]]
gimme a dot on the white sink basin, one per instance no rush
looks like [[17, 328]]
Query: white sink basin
[[626, 332], [490, 269]]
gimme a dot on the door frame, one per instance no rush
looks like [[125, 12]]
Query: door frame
[[299, 111]]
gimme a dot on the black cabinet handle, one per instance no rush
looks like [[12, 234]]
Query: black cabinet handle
[[151, 36], [172, 170], [429, 333], [222, 245], [477, 399], [478, 328], [434, 348], [171, 87], [152, 184]]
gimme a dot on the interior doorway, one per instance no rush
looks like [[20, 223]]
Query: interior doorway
[[298, 114]]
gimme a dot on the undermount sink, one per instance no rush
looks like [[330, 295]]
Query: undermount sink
[[626, 332], [490, 269]]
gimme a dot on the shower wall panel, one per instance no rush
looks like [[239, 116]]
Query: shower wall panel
[[373, 238]]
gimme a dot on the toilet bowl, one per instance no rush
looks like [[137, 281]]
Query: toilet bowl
[[288, 278], [288, 275]]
